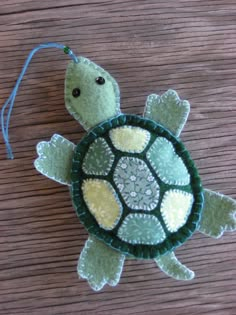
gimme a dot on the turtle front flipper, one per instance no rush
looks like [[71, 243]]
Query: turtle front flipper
[[168, 110], [100, 264], [55, 158], [171, 266], [218, 214]]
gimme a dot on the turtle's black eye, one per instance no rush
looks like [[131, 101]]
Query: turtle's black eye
[[100, 80], [76, 92]]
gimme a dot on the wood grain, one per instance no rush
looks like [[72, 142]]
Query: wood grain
[[149, 46]]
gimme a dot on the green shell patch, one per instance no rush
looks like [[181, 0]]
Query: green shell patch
[[141, 229], [99, 158], [135, 207], [168, 165], [136, 184]]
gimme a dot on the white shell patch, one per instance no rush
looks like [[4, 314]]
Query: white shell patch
[[130, 139], [175, 208]]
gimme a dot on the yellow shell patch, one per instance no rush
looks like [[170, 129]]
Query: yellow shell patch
[[130, 139], [102, 202], [175, 208]]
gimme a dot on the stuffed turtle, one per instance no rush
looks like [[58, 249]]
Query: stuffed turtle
[[133, 183]]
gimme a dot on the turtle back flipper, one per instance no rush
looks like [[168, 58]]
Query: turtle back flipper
[[218, 214], [55, 159], [100, 264], [168, 110], [171, 266]]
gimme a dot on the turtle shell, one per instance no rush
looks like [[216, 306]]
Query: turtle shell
[[135, 187]]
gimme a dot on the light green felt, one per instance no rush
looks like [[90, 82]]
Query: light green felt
[[141, 229], [55, 158], [100, 264], [171, 266], [136, 184], [96, 103], [218, 214], [168, 110], [175, 208], [98, 159], [168, 165]]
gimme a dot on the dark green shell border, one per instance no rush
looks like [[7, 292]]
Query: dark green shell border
[[140, 251]]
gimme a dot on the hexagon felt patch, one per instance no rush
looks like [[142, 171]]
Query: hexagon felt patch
[[175, 208], [168, 165], [102, 202], [130, 139], [99, 158], [141, 229], [136, 184]]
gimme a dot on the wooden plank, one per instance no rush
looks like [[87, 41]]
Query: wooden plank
[[148, 46]]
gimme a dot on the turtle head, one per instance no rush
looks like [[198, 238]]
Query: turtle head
[[91, 93]]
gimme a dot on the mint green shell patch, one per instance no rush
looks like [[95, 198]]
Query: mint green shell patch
[[148, 225], [141, 229], [166, 162], [99, 158]]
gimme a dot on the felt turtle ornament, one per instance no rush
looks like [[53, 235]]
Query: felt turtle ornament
[[132, 181]]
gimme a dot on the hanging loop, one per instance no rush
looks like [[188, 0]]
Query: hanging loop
[[10, 101]]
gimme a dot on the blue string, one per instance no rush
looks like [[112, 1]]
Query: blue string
[[13, 94]]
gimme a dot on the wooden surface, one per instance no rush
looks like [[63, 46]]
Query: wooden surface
[[149, 46]]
